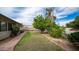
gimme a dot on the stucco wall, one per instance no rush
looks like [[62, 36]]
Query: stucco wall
[[4, 34]]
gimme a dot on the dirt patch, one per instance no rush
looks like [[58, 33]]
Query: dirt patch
[[60, 42]]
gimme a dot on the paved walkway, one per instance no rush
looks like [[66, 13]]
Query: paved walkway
[[9, 44], [60, 42]]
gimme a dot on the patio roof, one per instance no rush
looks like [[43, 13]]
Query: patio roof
[[7, 19]]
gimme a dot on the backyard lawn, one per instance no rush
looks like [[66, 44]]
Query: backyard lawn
[[33, 41]]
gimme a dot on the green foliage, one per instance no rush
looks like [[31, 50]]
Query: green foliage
[[71, 24], [74, 24], [39, 23], [77, 20], [15, 30], [42, 23], [55, 31], [73, 37], [48, 22]]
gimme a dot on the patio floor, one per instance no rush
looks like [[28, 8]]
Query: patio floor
[[9, 44]]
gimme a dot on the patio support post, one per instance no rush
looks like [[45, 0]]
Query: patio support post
[[7, 26]]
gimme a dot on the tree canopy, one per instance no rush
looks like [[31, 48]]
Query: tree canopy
[[74, 24], [42, 23], [39, 23]]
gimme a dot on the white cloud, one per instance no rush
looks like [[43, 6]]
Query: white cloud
[[6, 11], [27, 14], [10, 12], [65, 11], [63, 23], [26, 17]]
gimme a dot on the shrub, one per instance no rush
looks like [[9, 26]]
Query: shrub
[[15, 30], [73, 37], [55, 31]]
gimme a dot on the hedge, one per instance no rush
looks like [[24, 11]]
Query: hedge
[[73, 37]]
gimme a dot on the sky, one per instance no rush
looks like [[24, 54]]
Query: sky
[[25, 15]]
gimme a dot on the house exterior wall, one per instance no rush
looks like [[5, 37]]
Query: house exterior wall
[[5, 29], [4, 34]]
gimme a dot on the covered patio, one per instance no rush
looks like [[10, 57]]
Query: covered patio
[[6, 25]]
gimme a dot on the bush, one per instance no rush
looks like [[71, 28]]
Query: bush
[[73, 37], [15, 30], [55, 31]]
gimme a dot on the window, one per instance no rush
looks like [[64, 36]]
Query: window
[[9, 26], [3, 26]]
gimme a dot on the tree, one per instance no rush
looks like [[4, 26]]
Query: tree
[[48, 21], [39, 23], [50, 13], [42, 23], [74, 24], [50, 18], [71, 24]]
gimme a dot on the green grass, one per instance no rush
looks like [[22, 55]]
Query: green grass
[[33, 41]]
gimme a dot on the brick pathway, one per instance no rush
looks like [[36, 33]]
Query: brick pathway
[[9, 44], [61, 42]]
